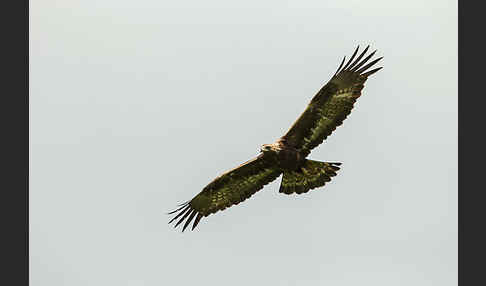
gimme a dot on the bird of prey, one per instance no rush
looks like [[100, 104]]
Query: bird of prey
[[287, 156]]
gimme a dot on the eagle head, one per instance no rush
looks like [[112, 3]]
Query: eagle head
[[269, 148]]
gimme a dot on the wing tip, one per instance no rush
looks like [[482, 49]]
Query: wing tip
[[340, 66], [367, 74], [188, 213], [369, 65], [351, 58], [356, 65]]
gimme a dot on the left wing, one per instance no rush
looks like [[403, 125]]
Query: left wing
[[229, 189], [331, 105]]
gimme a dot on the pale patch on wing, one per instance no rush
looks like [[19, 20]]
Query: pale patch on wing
[[347, 93], [321, 126]]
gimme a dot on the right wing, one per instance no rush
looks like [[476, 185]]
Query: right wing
[[331, 105], [229, 189]]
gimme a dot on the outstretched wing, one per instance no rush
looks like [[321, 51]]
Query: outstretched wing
[[332, 104], [229, 189]]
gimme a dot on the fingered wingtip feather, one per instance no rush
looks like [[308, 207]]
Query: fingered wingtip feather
[[181, 213], [196, 221], [184, 217], [367, 74], [174, 211], [359, 57], [368, 65], [340, 66], [183, 204], [351, 58], [364, 61], [189, 219]]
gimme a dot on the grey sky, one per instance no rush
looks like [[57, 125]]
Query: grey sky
[[137, 105]]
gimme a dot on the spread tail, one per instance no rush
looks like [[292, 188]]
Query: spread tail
[[311, 175]]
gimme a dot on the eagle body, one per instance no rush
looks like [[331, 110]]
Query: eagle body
[[288, 155], [287, 158]]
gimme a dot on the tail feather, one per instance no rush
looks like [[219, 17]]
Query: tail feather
[[311, 175]]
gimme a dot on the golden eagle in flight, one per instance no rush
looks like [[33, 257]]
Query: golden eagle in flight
[[287, 156]]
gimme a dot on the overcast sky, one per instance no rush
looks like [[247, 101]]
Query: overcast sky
[[136, 105]]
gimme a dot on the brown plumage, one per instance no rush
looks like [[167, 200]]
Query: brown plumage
[[326, 111]]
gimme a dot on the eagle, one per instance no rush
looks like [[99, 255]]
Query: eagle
[[288, 155]]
